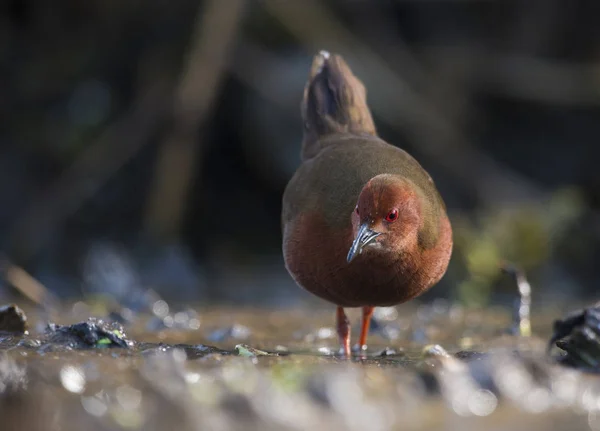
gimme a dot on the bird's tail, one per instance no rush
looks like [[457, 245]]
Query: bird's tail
[[334, 101]]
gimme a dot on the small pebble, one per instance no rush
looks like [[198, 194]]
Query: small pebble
[[12, 319]]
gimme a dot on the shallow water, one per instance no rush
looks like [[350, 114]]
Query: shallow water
[[436, 366]]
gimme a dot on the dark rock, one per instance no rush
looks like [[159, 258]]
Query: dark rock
[[578, 335], [12, 319], [91, 333]]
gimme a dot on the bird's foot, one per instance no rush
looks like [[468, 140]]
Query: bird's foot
[[343, 353], [360, 350]]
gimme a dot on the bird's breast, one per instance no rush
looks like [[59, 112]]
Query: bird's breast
[[315, 254]]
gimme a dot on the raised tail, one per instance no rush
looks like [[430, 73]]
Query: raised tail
[[335, 101]]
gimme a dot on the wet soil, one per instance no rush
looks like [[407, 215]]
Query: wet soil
[[434, 366]]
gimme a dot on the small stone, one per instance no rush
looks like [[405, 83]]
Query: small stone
[[30, 343], [12, 319], [250, 352], [434, 351]]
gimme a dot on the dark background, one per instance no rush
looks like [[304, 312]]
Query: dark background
[[146, 144]]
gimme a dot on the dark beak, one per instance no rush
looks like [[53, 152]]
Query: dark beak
[[363, 238]]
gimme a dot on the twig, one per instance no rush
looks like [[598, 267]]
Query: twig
[[27, 285], [524, 309], [216, 28]]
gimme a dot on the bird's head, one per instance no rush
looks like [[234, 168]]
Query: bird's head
[[387, 217]]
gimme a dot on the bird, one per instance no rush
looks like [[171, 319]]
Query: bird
[[363, 223]]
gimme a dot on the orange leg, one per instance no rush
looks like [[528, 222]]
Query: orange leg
[[367, 312], [343, 330]]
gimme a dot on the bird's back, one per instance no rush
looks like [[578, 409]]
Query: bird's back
[[331, 181]]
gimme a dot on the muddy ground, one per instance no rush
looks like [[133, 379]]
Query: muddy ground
[[432, 366]]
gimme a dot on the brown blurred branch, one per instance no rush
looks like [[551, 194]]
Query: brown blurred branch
[[208, 56], [28, 286]]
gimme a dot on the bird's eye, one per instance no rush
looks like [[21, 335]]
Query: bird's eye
[[392, 215]]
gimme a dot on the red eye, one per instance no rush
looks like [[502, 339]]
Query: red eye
[[392, 215]]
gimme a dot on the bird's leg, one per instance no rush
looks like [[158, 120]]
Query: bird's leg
[[367, 312], [343, 330]]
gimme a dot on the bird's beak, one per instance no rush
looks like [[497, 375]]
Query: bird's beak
[[363, 238]]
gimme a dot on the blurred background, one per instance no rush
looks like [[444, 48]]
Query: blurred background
[[146, 145]]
